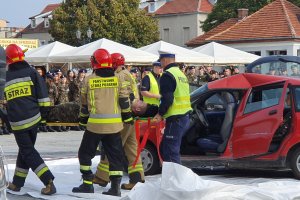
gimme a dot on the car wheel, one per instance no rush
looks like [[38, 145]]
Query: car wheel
[[295, 163], [150, 160]]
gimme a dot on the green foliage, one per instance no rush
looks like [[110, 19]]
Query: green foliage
[[226, 9], [118, 20]]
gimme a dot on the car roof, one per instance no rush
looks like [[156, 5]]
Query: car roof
[[270, 59], [249, 80]]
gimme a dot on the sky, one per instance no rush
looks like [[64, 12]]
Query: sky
[[17, 12]]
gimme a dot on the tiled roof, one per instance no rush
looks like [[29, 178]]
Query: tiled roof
[[48, 8], [38, 29], [184, 6], [276, 21], [222, 27]]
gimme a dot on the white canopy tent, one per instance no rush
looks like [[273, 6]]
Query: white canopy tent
[[82, 54], [226, 55], [43, 54], [182, 54]]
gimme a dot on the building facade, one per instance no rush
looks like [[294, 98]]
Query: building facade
[[273, 30], [39, 26]]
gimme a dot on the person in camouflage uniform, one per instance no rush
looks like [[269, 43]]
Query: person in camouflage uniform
[[192, 78], [53, 94], [71, 83], [78, 84], [63, 90], [202, 76]]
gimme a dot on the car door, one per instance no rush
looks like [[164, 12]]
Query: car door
[[257, 120]]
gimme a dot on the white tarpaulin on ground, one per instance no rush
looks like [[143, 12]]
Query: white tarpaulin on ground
[[43, 54], [176, 183], [182, 54], [83, 53], [226, 55]]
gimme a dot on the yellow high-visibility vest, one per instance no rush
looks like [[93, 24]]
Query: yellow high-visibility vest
[[181, 103], [154, 89]]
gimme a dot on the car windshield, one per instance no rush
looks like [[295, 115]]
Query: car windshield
[[195, 94], [278, 68]]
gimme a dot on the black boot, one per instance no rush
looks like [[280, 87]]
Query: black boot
[[5, 131], [115, 186], [50, 129], [134, 178], [86, 186]]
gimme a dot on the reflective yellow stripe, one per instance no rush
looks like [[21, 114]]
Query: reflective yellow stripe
[[103, 167], [82, 124], [138, 165], [21, 174], [17, 59], [24, 126], [126, 110], [83, 115], [127, 120], [105, 65], [42, 171], [186, 98], [19, 84], [92, 100], [139, 169], [115, 173], [85, 168], [44, 104], [116, 100], [88, 182], [105, 121]]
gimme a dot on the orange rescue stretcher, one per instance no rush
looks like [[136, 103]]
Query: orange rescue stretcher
[[146, 129]]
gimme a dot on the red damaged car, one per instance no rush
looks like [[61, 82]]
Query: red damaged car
[[244, 121]]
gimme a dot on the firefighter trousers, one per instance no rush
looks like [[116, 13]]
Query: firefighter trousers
[[136, 174], [29, 158], [112, 144]]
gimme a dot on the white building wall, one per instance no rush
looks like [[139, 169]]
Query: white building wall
[[43, 37], [178, 26], [292, 48]]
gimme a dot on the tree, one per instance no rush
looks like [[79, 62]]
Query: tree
[[226, 9], [119, 20]]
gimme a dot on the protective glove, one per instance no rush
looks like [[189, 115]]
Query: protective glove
[[127, 118]]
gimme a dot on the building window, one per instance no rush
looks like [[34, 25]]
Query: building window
[[166, 36], [186, 34], [151, 7], [258, 53], [46, 22], [33, 23], [277, 52]]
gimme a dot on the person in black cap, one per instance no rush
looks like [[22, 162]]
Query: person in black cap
[[150, 85], [175, 106], [146, 71]]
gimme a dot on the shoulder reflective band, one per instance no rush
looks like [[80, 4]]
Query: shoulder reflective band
[[111, 82]]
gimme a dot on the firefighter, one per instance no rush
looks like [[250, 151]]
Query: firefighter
[[150, 85], [27, 106], [175, 107], [101, 114], [136, 173]]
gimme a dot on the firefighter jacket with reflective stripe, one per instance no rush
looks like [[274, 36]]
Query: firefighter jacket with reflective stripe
[[101, 96], [181, 103], [154, 89], [26, 95]]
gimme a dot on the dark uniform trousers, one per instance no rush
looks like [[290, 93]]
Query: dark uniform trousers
[[171, 141], [28, 157], [111, 144]]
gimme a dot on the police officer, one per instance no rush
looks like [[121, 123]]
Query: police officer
[[175, 107], [136, 173], [27, 102], [150, 85], [101, 113]]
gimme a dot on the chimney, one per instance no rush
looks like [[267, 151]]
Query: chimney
[[242, 13]]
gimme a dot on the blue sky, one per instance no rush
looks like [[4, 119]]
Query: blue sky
[[17, 12]]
